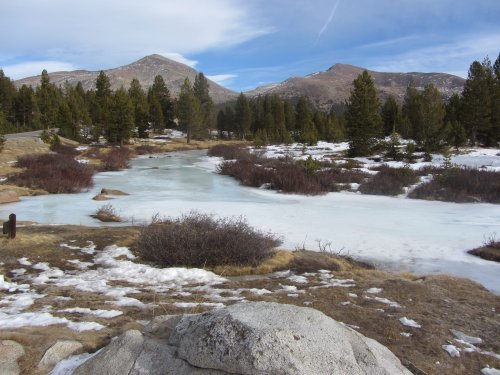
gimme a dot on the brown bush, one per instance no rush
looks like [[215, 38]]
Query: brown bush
[[389, 181], [116, 159], [461, 185], [107, 213], [147, 149], [199, 240], [55, 173], [64, 150], [229, 152]]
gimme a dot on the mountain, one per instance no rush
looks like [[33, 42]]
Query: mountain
[[333, 87], [144, 70]]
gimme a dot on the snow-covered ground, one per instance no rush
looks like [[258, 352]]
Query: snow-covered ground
[[395, 233]]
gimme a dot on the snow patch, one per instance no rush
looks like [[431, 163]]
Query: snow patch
[[409, 322]]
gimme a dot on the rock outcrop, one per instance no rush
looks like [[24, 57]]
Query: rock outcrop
[[250, 338], [10, 352]]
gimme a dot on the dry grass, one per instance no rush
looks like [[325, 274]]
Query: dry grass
[[438, 303]]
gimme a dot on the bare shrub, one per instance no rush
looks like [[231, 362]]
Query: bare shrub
[[116, 159], [461, 185], [147, 149], [64, 150], [107, 213], [229, 152], [55, 173], [199, 240], [389, 181]]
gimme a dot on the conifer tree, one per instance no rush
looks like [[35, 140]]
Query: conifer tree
[[101, 105], [391, 115], [304, 122], [201, 91], [363, 116], [7, 97], [412, 114], [26, 109], [47, 97], [189, 112], [141, 107], [454, 130], [477, 102], [242, 116], [433, 113], [159, 92], [495, 104], [121, 118]]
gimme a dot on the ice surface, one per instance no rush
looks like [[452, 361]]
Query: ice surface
[[490, 371], [394, 233]]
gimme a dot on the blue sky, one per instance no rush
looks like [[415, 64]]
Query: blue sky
[[244, 44]]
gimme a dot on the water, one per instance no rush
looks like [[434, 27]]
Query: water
[[394, 233]]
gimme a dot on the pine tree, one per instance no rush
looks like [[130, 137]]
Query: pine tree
[[433, 113], [47, 97], [141, 107], [189, 112], [363, 116], [304, 124], [159, 92], [391, 115], [121, 118], [477, 102], [7, 97], [201, 91], [494, 134], [242, 116], [26, 109], [102, 105], [221, 124], [455, 132], [412, 114]]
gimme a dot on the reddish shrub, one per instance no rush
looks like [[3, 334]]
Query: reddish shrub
[[116, 159], [200, 240], [55, 173], [461, 185], [147, 149], [229, 152], [389, 181], [65, 150]]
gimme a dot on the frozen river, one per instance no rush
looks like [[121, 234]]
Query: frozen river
[[394, 233]]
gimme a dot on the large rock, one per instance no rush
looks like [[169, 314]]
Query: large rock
[[105, 191], [10, 352], [60, 350], [250, 338]]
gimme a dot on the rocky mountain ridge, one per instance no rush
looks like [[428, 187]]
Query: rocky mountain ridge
[[333, 86], [325, 89], [144, 70]]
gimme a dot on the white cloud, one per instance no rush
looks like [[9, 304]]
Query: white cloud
[[33, 68], [222, 79], [108, 33], [179, 58], [452, 57]]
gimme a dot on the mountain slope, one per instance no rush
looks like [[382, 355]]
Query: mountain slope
[[144, 70], [332, 87]]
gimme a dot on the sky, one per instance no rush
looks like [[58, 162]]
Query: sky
[[243, 44]]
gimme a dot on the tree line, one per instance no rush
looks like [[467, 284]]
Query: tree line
[[424, 116], [117, 115]]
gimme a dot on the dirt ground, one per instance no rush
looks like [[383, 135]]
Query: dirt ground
[[437, 303]]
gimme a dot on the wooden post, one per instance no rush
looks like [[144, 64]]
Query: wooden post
[[13, 228], [9, 227]]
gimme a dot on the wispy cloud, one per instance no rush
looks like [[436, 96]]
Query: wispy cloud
[[180, 58], [453, 57], [328, 21], [84, 32], [391, 42], [33, 68], [222, 79]]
